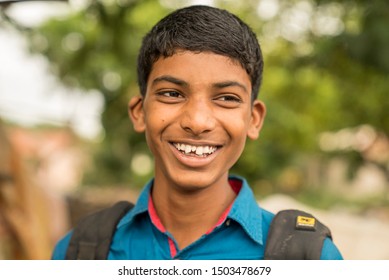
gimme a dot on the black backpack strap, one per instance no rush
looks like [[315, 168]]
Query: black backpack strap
[[295, 235], [91, 238]]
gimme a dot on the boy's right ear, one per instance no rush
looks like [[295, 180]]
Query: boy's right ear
[[136, 113]]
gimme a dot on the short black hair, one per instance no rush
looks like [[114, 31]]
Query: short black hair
[[202, 29]]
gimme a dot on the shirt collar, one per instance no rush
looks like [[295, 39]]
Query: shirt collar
[[140, 207], [244, 210]]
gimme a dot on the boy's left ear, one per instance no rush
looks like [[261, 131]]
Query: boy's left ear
[[258, 113]]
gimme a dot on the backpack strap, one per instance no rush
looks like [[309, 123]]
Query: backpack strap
[[91, 238], [295, 235]]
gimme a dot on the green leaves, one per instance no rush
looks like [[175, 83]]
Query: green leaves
[[315, 80]]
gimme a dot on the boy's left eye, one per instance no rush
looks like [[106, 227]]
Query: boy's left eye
[[229, 98], [228, 101]]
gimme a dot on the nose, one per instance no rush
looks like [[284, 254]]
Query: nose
[[198, 117]]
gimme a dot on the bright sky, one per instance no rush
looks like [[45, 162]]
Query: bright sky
[[29, 93]]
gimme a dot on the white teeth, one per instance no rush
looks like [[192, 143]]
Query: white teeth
[[198, 150]]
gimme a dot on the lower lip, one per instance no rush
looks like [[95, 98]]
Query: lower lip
[[193, 160]]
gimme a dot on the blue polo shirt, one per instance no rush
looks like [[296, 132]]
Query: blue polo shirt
[[240, 234]]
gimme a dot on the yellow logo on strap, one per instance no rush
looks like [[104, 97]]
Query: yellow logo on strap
[[305, 222]]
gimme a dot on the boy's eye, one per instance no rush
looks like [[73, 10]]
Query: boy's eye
[[228, 101], [170, 94], [229, 98]]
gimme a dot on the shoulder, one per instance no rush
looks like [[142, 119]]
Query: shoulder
[[330, 251], [61, 247], [295, 234], [267, 218], [95, 228]]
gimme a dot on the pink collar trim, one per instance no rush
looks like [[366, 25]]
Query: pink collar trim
[[236, 185]]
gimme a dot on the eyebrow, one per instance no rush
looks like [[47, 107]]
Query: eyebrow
[[179, 82], [225, 84], [170, 79]]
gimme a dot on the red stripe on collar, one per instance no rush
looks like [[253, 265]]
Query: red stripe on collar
[[236, 185]]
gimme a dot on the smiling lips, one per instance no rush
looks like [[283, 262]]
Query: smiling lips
[[201, 151]]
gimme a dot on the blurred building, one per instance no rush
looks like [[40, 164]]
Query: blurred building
[[55, 155], [37, 167]]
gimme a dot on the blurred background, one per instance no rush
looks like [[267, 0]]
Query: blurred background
[[67, 147]]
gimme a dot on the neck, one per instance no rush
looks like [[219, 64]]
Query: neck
[[188, 215]]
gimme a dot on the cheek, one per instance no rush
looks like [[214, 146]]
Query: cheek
[[155, 125], [236, 124]]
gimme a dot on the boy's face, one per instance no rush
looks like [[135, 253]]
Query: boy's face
[[196, 115]]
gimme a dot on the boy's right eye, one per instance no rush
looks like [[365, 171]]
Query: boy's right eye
[[170, 96], [174, 94]]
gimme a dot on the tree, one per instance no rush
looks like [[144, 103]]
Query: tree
[[96, 48]]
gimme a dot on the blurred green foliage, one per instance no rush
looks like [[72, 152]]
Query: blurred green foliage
[[96, 48], [326, 68]]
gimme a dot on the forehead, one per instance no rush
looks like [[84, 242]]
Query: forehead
[[200, 67]]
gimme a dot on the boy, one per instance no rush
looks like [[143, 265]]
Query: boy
[[199, 73]]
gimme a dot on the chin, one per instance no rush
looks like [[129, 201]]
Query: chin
[[193, 183]]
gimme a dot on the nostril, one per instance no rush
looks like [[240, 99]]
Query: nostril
[[197, 123]]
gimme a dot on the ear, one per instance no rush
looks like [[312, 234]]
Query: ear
[[136, 113], [258, 113]]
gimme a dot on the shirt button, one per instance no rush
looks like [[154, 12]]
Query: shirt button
[[228, 222]]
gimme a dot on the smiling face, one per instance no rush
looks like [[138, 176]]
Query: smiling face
[[196, 114]]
